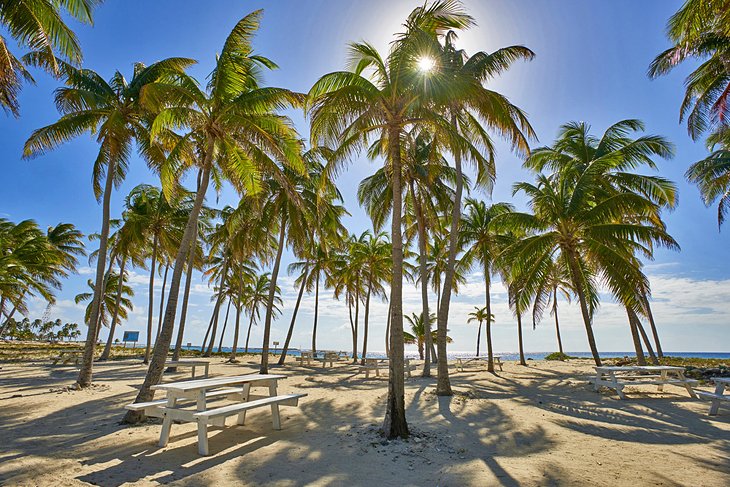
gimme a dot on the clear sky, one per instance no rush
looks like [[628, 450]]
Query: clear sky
[[590, 65]]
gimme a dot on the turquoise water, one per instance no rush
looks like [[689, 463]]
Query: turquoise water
[[509, 355]]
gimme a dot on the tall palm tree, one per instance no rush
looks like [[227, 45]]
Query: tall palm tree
[[484, 239], [255, 296], [38, 25], [594, 213], [109, 301], [470, 109], [480, 316], [113, 111], [348, 110], [233, 128], [700, 30]]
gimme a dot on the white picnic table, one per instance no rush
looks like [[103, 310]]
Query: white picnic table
[[305, 356], [378, 363], [615, 377], [721, 384], [174, 407], [462, 361], [193, 364]]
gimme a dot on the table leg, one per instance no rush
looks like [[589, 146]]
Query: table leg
[[206, 370], [690, 391], [167, 421], [715, 405], [244, 397], [407, 364], [663, 378], [202, 426], [193, 367], [618, 387], [276, 420]]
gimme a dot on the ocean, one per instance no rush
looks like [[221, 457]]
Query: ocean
[[503, 355]]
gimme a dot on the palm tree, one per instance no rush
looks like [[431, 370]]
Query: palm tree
[[38, 25], [555, 281], [256, 296], [699, 30], [469, 110], [162, 223], [484, 239], [594, 213], [232, 127], [373, 253], [418, 332], [348, 110], [114, 112], [480, 315], [109, 301]]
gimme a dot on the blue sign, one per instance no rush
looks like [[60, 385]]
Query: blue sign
[[131, 336]]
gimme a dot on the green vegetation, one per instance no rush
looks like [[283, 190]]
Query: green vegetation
[[559, 356]]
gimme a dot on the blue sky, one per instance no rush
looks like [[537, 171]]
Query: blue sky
[[590, 65]]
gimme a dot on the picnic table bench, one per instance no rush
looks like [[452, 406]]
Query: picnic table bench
[[660, 375], [176, 406], [68, 356], [330, 357], [377, 363], [721, 384], [193, 364], [462, 361], [305, 356]]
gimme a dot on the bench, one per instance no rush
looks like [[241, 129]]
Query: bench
[[68, 356], [205, 418], [617, 378], [718, 396], [154, 408], [330, 357], [174, 364], [305, 356], [462, 361]]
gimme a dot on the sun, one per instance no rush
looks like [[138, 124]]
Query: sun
[[426, 64]]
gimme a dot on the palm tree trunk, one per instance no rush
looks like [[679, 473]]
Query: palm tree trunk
[[479, 336], [488, 286], [640, 358], [316, 316], [387, 331], [162, 300], [575, 277], [225, 324], [353, 329], [186, 296], [519, 336], [652, 324], [272, 295], [357, 323], [248, 334], [85, 374], [422, 261], [645, 338], [162, 347], [216, 309], [219, 302], [151, 303], [232, 358], [443, 385], [557, 323], [108, 347], [290, 332], [365, 324], [394, 423]]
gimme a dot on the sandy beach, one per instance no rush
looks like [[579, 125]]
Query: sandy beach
[[540, 425]]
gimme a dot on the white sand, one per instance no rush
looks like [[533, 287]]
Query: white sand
[[541, 425]]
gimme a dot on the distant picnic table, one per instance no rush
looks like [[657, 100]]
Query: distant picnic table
[[193, 364], [177, 405], [617, 378], [462, 361], [721, 385], [382, 363], [67, 356]]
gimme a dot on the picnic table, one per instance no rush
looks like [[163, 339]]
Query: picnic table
[[660, 375], [721, 384], [193, 364], [378, 363], [176, 406], [305, 356], [330, 357], [67, 356], [462, 361]]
